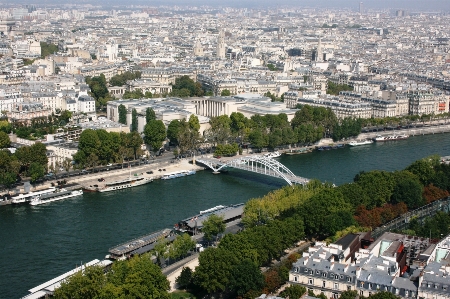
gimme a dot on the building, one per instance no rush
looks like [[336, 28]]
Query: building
[[220, 51]]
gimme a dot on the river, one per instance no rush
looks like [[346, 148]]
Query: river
[[42, 242]]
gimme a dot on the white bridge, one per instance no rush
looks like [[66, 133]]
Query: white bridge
[[257, 164]]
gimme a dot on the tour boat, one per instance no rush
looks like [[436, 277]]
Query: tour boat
[[119, 185], [51, 197], [177, 174], [360, 142], [380, 138], [272, 155], [21, 198]]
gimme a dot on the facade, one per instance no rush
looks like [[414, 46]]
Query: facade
[[86, 104], [25, 112]]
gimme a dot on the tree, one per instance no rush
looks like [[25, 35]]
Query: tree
[[185, 278], [149, 115], [36, 171], [214, 270], [258, 139], [181, 246], [84, 284], [134, 121], [219, 132], [408, 190], [4, 140], [89, 143], [122, 114], [173, 130], [295, 292], [47, 49], [213, 227], [246, 276], [160, 250], [155, 134], [194, 123], [384, 295], [188, 136], [225, 93], [136, 278]]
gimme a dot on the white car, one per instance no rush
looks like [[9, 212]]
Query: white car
[[109, 164]]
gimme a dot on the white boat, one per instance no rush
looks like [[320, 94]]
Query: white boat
[[380, 138], [177, 174], [273, 155], [128, 183], [51, 197], [119, 185], [360, 142], [21, 198]]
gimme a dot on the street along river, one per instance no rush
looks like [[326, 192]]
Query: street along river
[[41, 242]]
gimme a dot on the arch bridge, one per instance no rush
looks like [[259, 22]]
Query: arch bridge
[[257, 164]]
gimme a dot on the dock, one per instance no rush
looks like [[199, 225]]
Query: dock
[[127, 248]]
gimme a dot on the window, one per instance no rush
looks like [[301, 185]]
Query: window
[[331, 276], [295, 278], [317, 272], [336, 286], [310, 281], [397, 291], [335, 295], [349, 279], [324, 283], [324, 274], [370, 294], [370, 286], [349, 288], [311, 272], [361, 293]]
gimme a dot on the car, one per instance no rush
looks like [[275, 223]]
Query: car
[[109, 164], [101, 179], [149, 172]]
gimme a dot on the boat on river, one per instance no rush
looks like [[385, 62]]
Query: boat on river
[[119, 185], [360, 142], [275, 154], [51, 197], [380, 138], [22, 198], [177, 174]]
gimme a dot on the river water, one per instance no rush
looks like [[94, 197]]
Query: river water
[[42, 242]]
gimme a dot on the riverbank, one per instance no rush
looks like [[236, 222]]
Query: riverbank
[[86, 180]]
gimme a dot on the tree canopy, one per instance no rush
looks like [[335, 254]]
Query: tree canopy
[[155, 134]]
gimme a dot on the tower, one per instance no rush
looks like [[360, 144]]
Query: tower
[[319, 53], [198, 49], [221, 45], [360, 7]]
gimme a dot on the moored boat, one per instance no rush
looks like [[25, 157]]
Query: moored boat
[[360, 142], [177, 174], [380, 138], [119, 185], [275, 154], [51, 197], [22, 198]]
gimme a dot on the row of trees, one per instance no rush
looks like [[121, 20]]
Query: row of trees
[[26, 161], [234, 266], [374, 198], [99, 147], [136, 278]]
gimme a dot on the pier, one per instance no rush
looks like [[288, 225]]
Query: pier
[[128, 248]]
